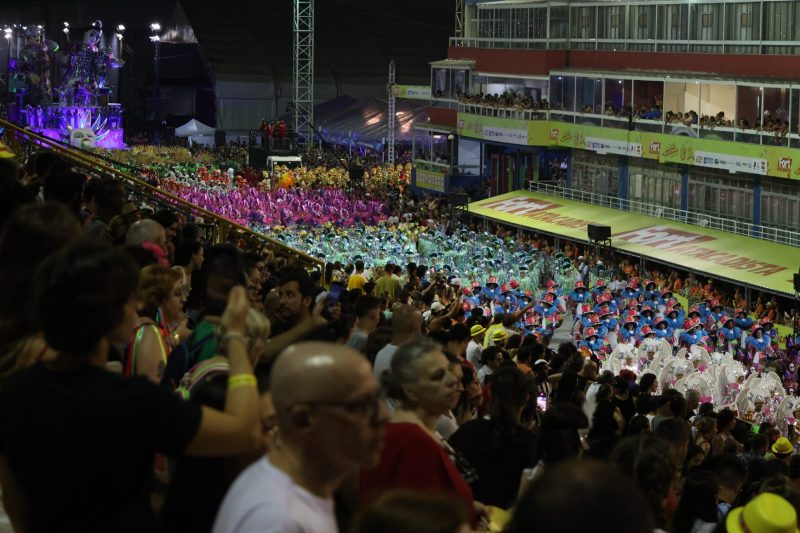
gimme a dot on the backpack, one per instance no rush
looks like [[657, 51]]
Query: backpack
[[183, 357]]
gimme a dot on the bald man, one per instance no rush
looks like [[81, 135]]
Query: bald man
[[330, 425], [406, 324]]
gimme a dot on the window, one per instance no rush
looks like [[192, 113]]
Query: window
[[596, 174], [656, 185], [706, 20], [780, 204], [643, 20], [744, 20], [720, 195]]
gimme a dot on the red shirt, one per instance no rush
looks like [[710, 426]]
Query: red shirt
[[412, 460]]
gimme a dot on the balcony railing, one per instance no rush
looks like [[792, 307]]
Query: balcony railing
[[722, 133], [780, 236], [633, 45]]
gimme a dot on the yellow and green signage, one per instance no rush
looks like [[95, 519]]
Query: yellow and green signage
[[412, 92], [431, 179], [727, 255], [776, 161]]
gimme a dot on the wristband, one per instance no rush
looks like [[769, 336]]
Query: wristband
[[233, 335], [241, 380]]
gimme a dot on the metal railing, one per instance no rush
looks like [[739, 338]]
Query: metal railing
[[634, 45], [746, 229], [724, 133], [22, 141]]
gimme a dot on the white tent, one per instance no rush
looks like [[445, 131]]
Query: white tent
[[197, 132]]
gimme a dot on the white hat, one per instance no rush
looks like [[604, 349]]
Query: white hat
[[540, 361], [436, 307]]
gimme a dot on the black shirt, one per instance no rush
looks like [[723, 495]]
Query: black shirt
[[499, 465], [81, 445]]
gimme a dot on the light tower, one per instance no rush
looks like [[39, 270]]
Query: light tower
[[303, 90]]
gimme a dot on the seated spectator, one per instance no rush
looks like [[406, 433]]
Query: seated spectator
[[85, 303], [328, 430]]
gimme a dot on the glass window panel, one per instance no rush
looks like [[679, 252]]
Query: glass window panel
[[648, 98], [589, 95], [748, 106], [559, 16], [618, 96]]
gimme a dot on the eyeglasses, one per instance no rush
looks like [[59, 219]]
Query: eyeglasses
[[366, 407]]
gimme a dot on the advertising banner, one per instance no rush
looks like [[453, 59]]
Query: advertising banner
[[765, 160], [505, 130], [412, 92], [752, 261], [432, 180]]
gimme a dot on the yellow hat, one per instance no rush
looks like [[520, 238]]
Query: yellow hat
[[782, 446], [477, 329], [499, 335], [766, 513]]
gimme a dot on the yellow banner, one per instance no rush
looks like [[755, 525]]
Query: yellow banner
[[432, 180], [739, 259], [765, 160], [412, 92]]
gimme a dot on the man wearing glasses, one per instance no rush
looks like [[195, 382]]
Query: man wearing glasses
[[330, 424]]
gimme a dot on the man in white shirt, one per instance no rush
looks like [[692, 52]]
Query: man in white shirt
[[475, 346], [406, 324], [330, 425]]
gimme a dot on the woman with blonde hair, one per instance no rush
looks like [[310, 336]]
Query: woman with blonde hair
[[256, 335], [162, 296]]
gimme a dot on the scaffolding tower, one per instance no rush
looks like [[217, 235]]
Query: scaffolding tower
[[391, 123], [303, 69], [460, 15]]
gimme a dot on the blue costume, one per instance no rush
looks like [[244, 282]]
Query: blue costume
[[758, 344], [744, 322]]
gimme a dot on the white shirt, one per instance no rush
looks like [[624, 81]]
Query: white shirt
[[474, 350], [483, 373], [263, 499], [383, 359]]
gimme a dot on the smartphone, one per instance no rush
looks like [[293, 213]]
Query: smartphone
[[541, 403], [332, 299]]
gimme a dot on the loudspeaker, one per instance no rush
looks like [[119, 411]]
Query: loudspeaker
[[256, 157], [598, 232], [797, 283]]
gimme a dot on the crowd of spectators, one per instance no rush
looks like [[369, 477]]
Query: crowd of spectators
[[153, 382], [507, 100]]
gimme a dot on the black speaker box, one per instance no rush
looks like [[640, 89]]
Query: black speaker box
[[598, 232], [256, 157]]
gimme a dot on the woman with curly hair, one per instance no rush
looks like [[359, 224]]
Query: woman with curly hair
[[162, 298]]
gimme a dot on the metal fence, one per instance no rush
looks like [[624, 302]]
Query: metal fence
[[746, 229]]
